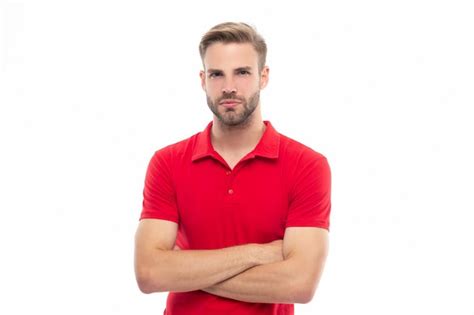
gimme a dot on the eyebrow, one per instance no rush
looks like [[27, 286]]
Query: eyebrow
[[244, 68], [248, 68], [213, 70]]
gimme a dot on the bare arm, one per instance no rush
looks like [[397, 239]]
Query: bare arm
[[293, 280], [159, 268]]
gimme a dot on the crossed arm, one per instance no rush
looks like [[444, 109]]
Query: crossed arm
[[292, 280], [285, 271]]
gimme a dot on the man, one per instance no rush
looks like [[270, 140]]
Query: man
[[235, 218]]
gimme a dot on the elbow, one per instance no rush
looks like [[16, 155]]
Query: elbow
[[147, 282], [304, 297], [145, 286], [143, 280], [151, 275], [304, 292]]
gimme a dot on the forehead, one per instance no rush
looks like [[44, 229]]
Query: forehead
[[230, 56]]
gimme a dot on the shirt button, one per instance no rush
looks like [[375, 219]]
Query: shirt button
[[230, 191], [227, 173]]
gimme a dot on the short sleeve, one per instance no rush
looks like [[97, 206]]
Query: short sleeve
[[310, 196], [159, 197]]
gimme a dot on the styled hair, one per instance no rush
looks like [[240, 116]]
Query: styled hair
[[230, 32]]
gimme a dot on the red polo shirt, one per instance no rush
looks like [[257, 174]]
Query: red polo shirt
[[280, 183]]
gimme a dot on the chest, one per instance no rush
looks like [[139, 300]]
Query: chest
[[220, 208]]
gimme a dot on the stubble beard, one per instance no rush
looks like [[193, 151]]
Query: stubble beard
[[231, 117]]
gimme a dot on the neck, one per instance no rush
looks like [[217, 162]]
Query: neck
[[238, 138]]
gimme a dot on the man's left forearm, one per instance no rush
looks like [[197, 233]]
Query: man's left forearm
[[272, 283]]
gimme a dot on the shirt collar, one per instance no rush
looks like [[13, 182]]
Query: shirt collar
[[268, 146]]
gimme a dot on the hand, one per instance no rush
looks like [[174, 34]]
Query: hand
[[270, 252]]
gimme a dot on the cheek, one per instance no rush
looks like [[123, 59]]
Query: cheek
[[213, 86], [245, 80], [246, 84]]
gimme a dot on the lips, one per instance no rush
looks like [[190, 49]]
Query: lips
[[230, 103]]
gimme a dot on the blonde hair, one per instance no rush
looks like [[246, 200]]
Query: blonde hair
[[230, 32]]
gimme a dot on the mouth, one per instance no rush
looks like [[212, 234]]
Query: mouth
[[229, 103]]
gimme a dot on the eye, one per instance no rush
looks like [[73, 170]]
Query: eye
[[214, 74], [243, 72]]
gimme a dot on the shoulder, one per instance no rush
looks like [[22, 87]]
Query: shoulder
[[178, 148], [298, 153], [175, 151]]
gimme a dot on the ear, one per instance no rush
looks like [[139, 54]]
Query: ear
[[264, 77], [202, 75]]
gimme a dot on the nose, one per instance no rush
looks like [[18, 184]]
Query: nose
[[229, 87], [229, 90]]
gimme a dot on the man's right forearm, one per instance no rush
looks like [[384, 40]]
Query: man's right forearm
[[189, 270]]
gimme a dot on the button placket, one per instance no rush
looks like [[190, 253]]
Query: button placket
[[231, 174], [230, 179]]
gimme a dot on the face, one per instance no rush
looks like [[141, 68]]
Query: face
[[232, 81]]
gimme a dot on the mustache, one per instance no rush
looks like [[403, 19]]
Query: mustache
[[230, 96]]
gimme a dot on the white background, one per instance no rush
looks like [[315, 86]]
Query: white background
[[90, 89]]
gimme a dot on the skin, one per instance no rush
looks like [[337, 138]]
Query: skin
[[231, 70], [283, 271]]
